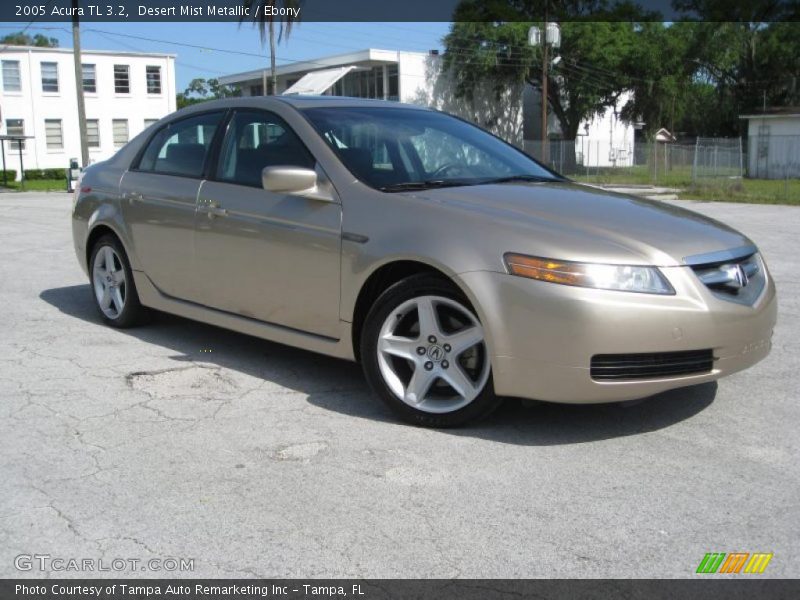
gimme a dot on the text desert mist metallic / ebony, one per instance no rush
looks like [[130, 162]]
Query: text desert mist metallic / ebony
[[455, 268]]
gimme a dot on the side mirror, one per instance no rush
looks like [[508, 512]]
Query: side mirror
[[288, 180], [298, 181]]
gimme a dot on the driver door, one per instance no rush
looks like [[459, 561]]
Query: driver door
[[269, 256]]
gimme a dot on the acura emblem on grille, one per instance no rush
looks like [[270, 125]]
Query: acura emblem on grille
[[737, 277]]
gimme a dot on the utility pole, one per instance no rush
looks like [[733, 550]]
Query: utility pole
[[76, 55], [549, 35], [545, 63]]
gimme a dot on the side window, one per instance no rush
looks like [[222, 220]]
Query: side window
[[181, 148], [258, 139]]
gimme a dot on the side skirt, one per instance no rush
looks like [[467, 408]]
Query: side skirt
[[152, 297]]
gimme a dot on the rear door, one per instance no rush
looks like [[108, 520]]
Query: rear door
[[269, 256], [159, 201]]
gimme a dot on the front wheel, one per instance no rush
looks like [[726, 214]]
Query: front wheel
[[424, 353]]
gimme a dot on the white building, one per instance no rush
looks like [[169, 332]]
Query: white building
[[124, 93], [773, 144], [416, 77], [412, 77], [606, 140]]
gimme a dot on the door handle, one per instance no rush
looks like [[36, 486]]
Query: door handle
[[215, 210], [134, 196]]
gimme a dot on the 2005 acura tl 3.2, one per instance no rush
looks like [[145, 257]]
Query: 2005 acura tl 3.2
[[454, 267]]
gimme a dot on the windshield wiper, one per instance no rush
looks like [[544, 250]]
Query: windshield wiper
[[423, 185], [509, 178]]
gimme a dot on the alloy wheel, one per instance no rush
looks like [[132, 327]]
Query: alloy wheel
[[110, 285], [432, 354]]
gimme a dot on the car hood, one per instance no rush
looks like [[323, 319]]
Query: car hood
[[586, 223]]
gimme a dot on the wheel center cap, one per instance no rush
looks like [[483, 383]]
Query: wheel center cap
[[435, 353]]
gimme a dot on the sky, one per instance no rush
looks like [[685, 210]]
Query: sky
[[307, 41]]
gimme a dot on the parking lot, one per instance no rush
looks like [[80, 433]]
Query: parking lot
[[182, 440]]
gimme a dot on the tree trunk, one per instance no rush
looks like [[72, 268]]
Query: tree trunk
[[274, 75]]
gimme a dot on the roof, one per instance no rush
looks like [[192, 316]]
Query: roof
[[775, 112], [8, 48], [664, 135], [299, 102], [368, 55]]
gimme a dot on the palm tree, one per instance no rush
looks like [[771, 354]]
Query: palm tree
[[260, 12]]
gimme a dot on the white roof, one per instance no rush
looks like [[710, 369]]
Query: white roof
[[8, 49], [316, 82], [367, 57], [789, 115]]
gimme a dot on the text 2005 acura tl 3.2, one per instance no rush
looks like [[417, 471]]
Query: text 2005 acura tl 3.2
[[454, 267]]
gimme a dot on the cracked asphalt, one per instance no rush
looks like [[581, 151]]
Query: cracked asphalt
[[182, 440]]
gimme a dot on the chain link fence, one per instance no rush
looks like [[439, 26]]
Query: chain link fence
[[655, 163], [716, 158]]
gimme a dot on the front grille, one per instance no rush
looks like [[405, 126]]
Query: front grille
[[734, 278], [655, 365]]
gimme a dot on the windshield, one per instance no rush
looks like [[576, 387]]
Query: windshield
[[395, 149]]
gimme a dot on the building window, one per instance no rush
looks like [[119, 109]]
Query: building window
[[12, 82], [120, 127], [360, 84], [153, 80], [49, 77], [93, 133], [394, 88], [53, 134], [16, 127], [89, 79], [122, 79]]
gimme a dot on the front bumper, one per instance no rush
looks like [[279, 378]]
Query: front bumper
[[542, 336]]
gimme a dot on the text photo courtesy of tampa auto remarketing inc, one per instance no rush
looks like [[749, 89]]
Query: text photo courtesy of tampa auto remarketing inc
[[446, 299]]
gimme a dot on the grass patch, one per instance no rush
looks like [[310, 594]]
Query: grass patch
[[639, 175], [755, 191], [37, 185]]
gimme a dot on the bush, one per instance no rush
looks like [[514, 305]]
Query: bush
[[55, 173], [8, 175], [32, 174]]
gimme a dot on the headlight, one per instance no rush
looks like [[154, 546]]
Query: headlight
[[626, 278]]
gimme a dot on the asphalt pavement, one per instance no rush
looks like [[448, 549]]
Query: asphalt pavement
[[180, 440]]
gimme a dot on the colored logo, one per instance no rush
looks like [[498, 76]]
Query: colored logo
[[734, 562]]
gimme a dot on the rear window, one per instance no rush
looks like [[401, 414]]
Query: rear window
[[181, 147]]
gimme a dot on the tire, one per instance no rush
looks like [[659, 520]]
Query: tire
[[114, 286], [424, 353]]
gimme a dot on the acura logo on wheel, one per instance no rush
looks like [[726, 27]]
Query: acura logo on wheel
[[435, 353]]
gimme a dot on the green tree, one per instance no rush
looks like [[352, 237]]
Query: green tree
[[23, 39], [660, 71], [749, 53], [202, 90], [486, 44], [587, 79], [261, 13]]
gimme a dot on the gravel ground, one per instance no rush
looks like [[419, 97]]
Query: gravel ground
[[182, 440]]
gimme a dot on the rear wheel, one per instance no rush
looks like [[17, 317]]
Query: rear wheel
[[113, 288], [424, 353]]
